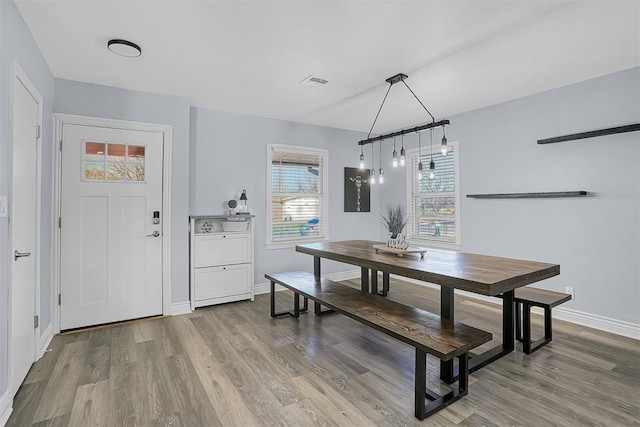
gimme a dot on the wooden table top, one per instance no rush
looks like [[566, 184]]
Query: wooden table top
[[482, 274]]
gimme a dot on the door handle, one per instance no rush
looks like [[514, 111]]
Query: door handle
[[154, 234], [17, 255]]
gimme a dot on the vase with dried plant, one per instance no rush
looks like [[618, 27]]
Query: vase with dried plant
[[395, 222]]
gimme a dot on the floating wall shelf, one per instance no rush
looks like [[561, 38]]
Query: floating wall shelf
[[591, 134], [552, 194]]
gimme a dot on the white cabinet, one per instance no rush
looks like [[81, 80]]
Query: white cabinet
[[221, 259]]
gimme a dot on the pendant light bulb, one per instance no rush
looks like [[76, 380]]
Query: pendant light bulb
[[432, 170], [372, 177], [395, 155], [445, 149], [361, 161], [420, 171], [381, 176], [402, 153]]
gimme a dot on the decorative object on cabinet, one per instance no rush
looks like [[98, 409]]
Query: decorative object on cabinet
[[591, 134], [546, 195], [221, 259], [243, 209]]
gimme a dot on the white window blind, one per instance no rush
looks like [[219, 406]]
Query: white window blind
[[298, 194], [433, 204]]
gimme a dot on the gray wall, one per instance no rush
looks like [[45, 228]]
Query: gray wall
[[596, 240], [107, 102], [228, 153], [17, 43]]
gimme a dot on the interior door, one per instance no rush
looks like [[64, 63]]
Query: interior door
[[26, 107], [111, 231]]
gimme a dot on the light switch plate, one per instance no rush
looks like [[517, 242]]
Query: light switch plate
[[4, 206]]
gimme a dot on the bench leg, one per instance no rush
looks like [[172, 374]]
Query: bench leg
[[437, 402], [296, 304], [529, 346]]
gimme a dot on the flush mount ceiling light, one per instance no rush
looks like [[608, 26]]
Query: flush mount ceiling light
[[124, 48], [442, 123]]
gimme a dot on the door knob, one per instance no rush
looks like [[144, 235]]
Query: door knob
[[154, 234], [17, 254]]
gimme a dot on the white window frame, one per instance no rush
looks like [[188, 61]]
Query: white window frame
[[291, 242], [414, 152]]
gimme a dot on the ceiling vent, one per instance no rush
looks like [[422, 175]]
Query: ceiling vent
[[314, 81]]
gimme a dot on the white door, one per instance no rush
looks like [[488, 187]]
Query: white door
[[26, 116], [111, 241]]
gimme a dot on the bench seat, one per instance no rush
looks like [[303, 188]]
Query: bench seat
[[427, 332], [527, 297]]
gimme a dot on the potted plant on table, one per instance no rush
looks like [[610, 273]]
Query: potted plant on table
[[395, 222]]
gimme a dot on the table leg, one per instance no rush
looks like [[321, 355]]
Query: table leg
[[364, 279], [374, 281], [316, 275], [317, 308], [385, 284], [446, 312]]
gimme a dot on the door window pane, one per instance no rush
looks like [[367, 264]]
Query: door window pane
[[94, 171], [94, 151], [135, 163]]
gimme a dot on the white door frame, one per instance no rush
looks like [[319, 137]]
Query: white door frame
[[18, 76], [167, 132]]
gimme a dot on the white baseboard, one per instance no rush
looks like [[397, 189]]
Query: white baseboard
[[45, 339], [6, 407], [606, 324], [178, 308]]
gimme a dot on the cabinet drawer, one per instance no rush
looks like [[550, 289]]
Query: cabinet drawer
[[221, 249], [216, 282]]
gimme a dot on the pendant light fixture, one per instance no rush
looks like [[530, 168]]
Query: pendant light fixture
[[432, 166], [381, 176], [372, 173], [400, 78], [394, 162], [361, 159], [444, 148], [419, 158]]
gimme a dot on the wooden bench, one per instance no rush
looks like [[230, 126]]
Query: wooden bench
[[528, 297], [425, 331]]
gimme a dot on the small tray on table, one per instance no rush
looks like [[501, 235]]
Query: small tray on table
[[401, 252]]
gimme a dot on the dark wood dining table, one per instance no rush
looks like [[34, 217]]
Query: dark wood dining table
[[481, 274]]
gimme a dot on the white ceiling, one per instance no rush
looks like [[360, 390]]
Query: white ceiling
[[249, 57]]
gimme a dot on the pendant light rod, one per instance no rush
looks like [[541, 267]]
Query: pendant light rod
[[433, 119], [404, 132], [379, 109]]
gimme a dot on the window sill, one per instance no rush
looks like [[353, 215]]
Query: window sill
[[292, 243]]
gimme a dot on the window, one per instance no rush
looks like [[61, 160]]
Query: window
[[297, 194], [107, 161], [434, 218]]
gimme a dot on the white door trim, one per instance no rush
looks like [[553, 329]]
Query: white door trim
[[167, 131], [18, 74]]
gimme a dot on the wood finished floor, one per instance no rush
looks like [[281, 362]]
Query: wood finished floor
[[233, 365]]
